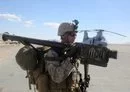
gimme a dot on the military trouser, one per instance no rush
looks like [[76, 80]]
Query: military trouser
[[65, 86], [41, 81], [45, 84]]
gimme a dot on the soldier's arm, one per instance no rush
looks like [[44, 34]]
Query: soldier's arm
[[58, 71]]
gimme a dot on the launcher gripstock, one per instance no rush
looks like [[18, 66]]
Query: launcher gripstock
[[94, 55]]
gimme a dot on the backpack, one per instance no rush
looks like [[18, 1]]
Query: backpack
[[32, 59], [29, 57]]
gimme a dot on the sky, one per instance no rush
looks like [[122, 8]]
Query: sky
[[41, 18]]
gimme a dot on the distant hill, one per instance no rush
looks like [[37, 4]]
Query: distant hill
[[127, 43]]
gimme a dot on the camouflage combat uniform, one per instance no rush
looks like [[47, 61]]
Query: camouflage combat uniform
[[59, 76]]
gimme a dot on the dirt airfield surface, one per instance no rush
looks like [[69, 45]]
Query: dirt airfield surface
[[114, 78]]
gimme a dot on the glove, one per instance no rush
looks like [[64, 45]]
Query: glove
[[71, 52]]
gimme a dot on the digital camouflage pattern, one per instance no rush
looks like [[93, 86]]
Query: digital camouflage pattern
[[62, 75]]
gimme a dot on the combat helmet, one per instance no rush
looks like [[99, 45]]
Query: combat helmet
[[67, 27]]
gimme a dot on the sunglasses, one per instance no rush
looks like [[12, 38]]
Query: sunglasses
[[72, 34]]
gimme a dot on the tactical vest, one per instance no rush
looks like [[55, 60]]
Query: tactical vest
[[65, 86]]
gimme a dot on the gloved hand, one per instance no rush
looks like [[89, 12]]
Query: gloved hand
[[71, 52]]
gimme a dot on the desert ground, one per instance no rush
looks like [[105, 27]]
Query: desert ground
[[114, 78]]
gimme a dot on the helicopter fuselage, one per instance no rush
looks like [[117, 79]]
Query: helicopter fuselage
[[98, 40]]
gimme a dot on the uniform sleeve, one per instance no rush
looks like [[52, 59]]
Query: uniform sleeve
[[58, 71]]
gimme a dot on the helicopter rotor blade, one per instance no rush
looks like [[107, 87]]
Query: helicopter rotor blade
[[98, 30], [109, 32], [116, 33], [80, 31]]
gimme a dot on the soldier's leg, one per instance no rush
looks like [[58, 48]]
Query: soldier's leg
[[42, 83], [41, 80]]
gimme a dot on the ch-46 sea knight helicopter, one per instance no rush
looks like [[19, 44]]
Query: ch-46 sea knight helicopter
[[99, 39]]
